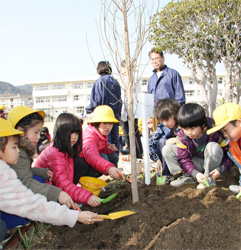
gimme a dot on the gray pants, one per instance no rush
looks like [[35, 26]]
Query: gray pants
[[213, 155]]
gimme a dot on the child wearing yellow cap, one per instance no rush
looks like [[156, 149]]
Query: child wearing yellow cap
[[227, 118], [17, 200], [98, 153]]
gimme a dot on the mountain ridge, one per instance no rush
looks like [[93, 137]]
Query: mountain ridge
[[8, 88]]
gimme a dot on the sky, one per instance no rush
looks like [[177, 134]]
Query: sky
[[56, 40]]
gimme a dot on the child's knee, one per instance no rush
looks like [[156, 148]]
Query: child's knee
[[168, 150], [214, 149]]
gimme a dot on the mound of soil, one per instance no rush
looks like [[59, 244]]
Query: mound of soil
[[166, 218]]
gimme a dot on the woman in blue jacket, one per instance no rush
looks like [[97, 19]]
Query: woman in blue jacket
[[107, 91]]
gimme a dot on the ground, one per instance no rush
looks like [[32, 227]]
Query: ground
[[167, 218]]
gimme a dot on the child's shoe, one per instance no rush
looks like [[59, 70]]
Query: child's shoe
[[8, 236], [24, 225], [182, 180], [210, 181], [234, 188], [169, 178]]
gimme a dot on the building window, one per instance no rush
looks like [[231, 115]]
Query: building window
[[189, 92], [42, 99], [60, 99], [144, 82], [220, 80], [90, 85], [42, 87], [76, 97], [58, 86], [191, 81], [78, 85], [80, 110]]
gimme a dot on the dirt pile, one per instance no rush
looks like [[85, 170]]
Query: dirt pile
[[166, 218]]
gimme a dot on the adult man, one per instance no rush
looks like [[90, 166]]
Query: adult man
[[165, 82]]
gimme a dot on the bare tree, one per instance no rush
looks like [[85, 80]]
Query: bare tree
[[124, 30]]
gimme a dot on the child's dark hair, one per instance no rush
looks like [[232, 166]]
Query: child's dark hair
[[45, 130], [29, 121], [4, 141], [95, 124], [104, 68], [65, 125], [166, 108], [234, 123], [192, 115]]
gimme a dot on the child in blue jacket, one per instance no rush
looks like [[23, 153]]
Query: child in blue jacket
[[166, 112]]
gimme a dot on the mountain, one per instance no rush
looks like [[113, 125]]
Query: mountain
[[8, 88]]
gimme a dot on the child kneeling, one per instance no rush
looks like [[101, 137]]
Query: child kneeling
[[97, 152], [228, 119]]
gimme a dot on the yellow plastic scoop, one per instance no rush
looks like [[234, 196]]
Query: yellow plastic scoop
[[117, 215]]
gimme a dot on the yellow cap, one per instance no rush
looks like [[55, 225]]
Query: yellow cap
[[19, 112], [6, 129], [2, 106], [103, 113], [224, 114]]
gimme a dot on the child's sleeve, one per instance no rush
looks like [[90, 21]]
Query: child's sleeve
[[153, 149], [42, 172], [226, 163], [18, 200], [24, 174], [184, 159]]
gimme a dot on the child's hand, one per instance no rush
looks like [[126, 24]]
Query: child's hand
[[87, 217], [50, 175], [158, 165], [113, 172], [64, 198], [199, 177], [112, 147], [93, 201], [171, 141], [215, 174]]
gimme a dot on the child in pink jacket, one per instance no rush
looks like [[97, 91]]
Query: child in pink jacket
[[62, 157], [97, 152]]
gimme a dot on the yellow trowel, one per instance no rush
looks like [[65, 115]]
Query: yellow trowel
[[117, 215]]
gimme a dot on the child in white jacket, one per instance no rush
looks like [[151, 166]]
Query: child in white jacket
[[16, 199]]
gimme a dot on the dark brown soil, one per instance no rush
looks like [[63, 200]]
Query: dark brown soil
[[166, 218]]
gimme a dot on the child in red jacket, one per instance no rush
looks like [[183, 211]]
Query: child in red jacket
[[97, 152]]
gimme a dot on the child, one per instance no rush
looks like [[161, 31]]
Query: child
[[96, 150], [107, 91], [166, 112], [44, 141], [201, 156], [228, 119], [62, 157], [31, 122], [2, 108], [45, 130], [17, 200]]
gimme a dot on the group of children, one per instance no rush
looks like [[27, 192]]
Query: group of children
[[25, 192], [186, 140]]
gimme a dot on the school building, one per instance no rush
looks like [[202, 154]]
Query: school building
[[73, 96]]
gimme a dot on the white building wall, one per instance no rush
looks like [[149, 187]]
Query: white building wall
[[12, 101], [73, 96]]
